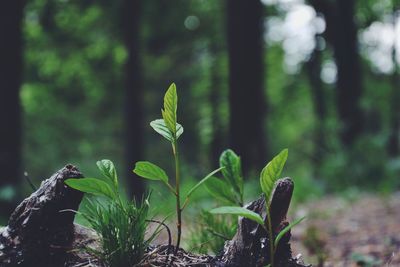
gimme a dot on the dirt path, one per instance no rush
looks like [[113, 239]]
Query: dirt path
[[364, 231]]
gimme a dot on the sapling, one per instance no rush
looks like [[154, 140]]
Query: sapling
[[269, 175], [215, 230], [170, 129]]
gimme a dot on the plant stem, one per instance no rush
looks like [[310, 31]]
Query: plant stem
[[178, 198], [271, 238]]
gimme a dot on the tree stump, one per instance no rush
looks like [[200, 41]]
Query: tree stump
[[250, 245], [41, 228], [41, 232]]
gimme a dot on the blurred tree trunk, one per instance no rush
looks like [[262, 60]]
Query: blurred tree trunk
[[246, 83], [349, 84], [319, 100], [11, 15], [341, 33], [134, 134], [393, 143]]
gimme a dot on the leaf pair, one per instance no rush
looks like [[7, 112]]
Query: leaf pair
[[96, 186], [269, 175], [168, 126]]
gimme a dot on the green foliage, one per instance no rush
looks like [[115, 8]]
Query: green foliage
[[169, 111], [150, 171], [228, 190], [121, 224], [74, 54], [107, 168], [239, 211], [270, 173], [122, 230], [220, 190], [287, 229], [269, 176], [92, 186], [171, 130], [160, 127], [232, 172]]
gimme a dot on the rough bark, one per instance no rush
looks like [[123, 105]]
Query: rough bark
[[40, 230], [250, 246]]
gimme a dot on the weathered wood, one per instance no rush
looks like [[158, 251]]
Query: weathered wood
[[250, 245], [41, 228]]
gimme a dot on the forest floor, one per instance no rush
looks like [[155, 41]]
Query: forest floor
[[359, 231]]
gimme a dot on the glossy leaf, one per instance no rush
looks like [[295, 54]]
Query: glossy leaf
[[221, 190], [233, 170], [107, 168], [170, 107], [270, 173], [286, 229], [92, 186], [191, 191], [150, 171], [240, 212], [160, 127]]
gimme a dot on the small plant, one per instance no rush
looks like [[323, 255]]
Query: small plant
[[121, 224], [269, 175], [170, 129], [215, 230]]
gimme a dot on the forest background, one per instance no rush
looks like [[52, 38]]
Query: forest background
[[81, 80]]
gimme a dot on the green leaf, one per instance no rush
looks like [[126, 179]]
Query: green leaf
[[107, 168], [202, 181], [232, 171], [240, 212], [286, 229], [270, 173], [221, 190], [160, 127], [170, 107], [150, 171], [92, 186]]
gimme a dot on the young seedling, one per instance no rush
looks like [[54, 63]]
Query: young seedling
[[269, 175], [170, 129], [211, 232], [121, 224]]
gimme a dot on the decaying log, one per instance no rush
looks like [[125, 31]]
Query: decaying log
[[41, 232], [41, 228], [250, 245]]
